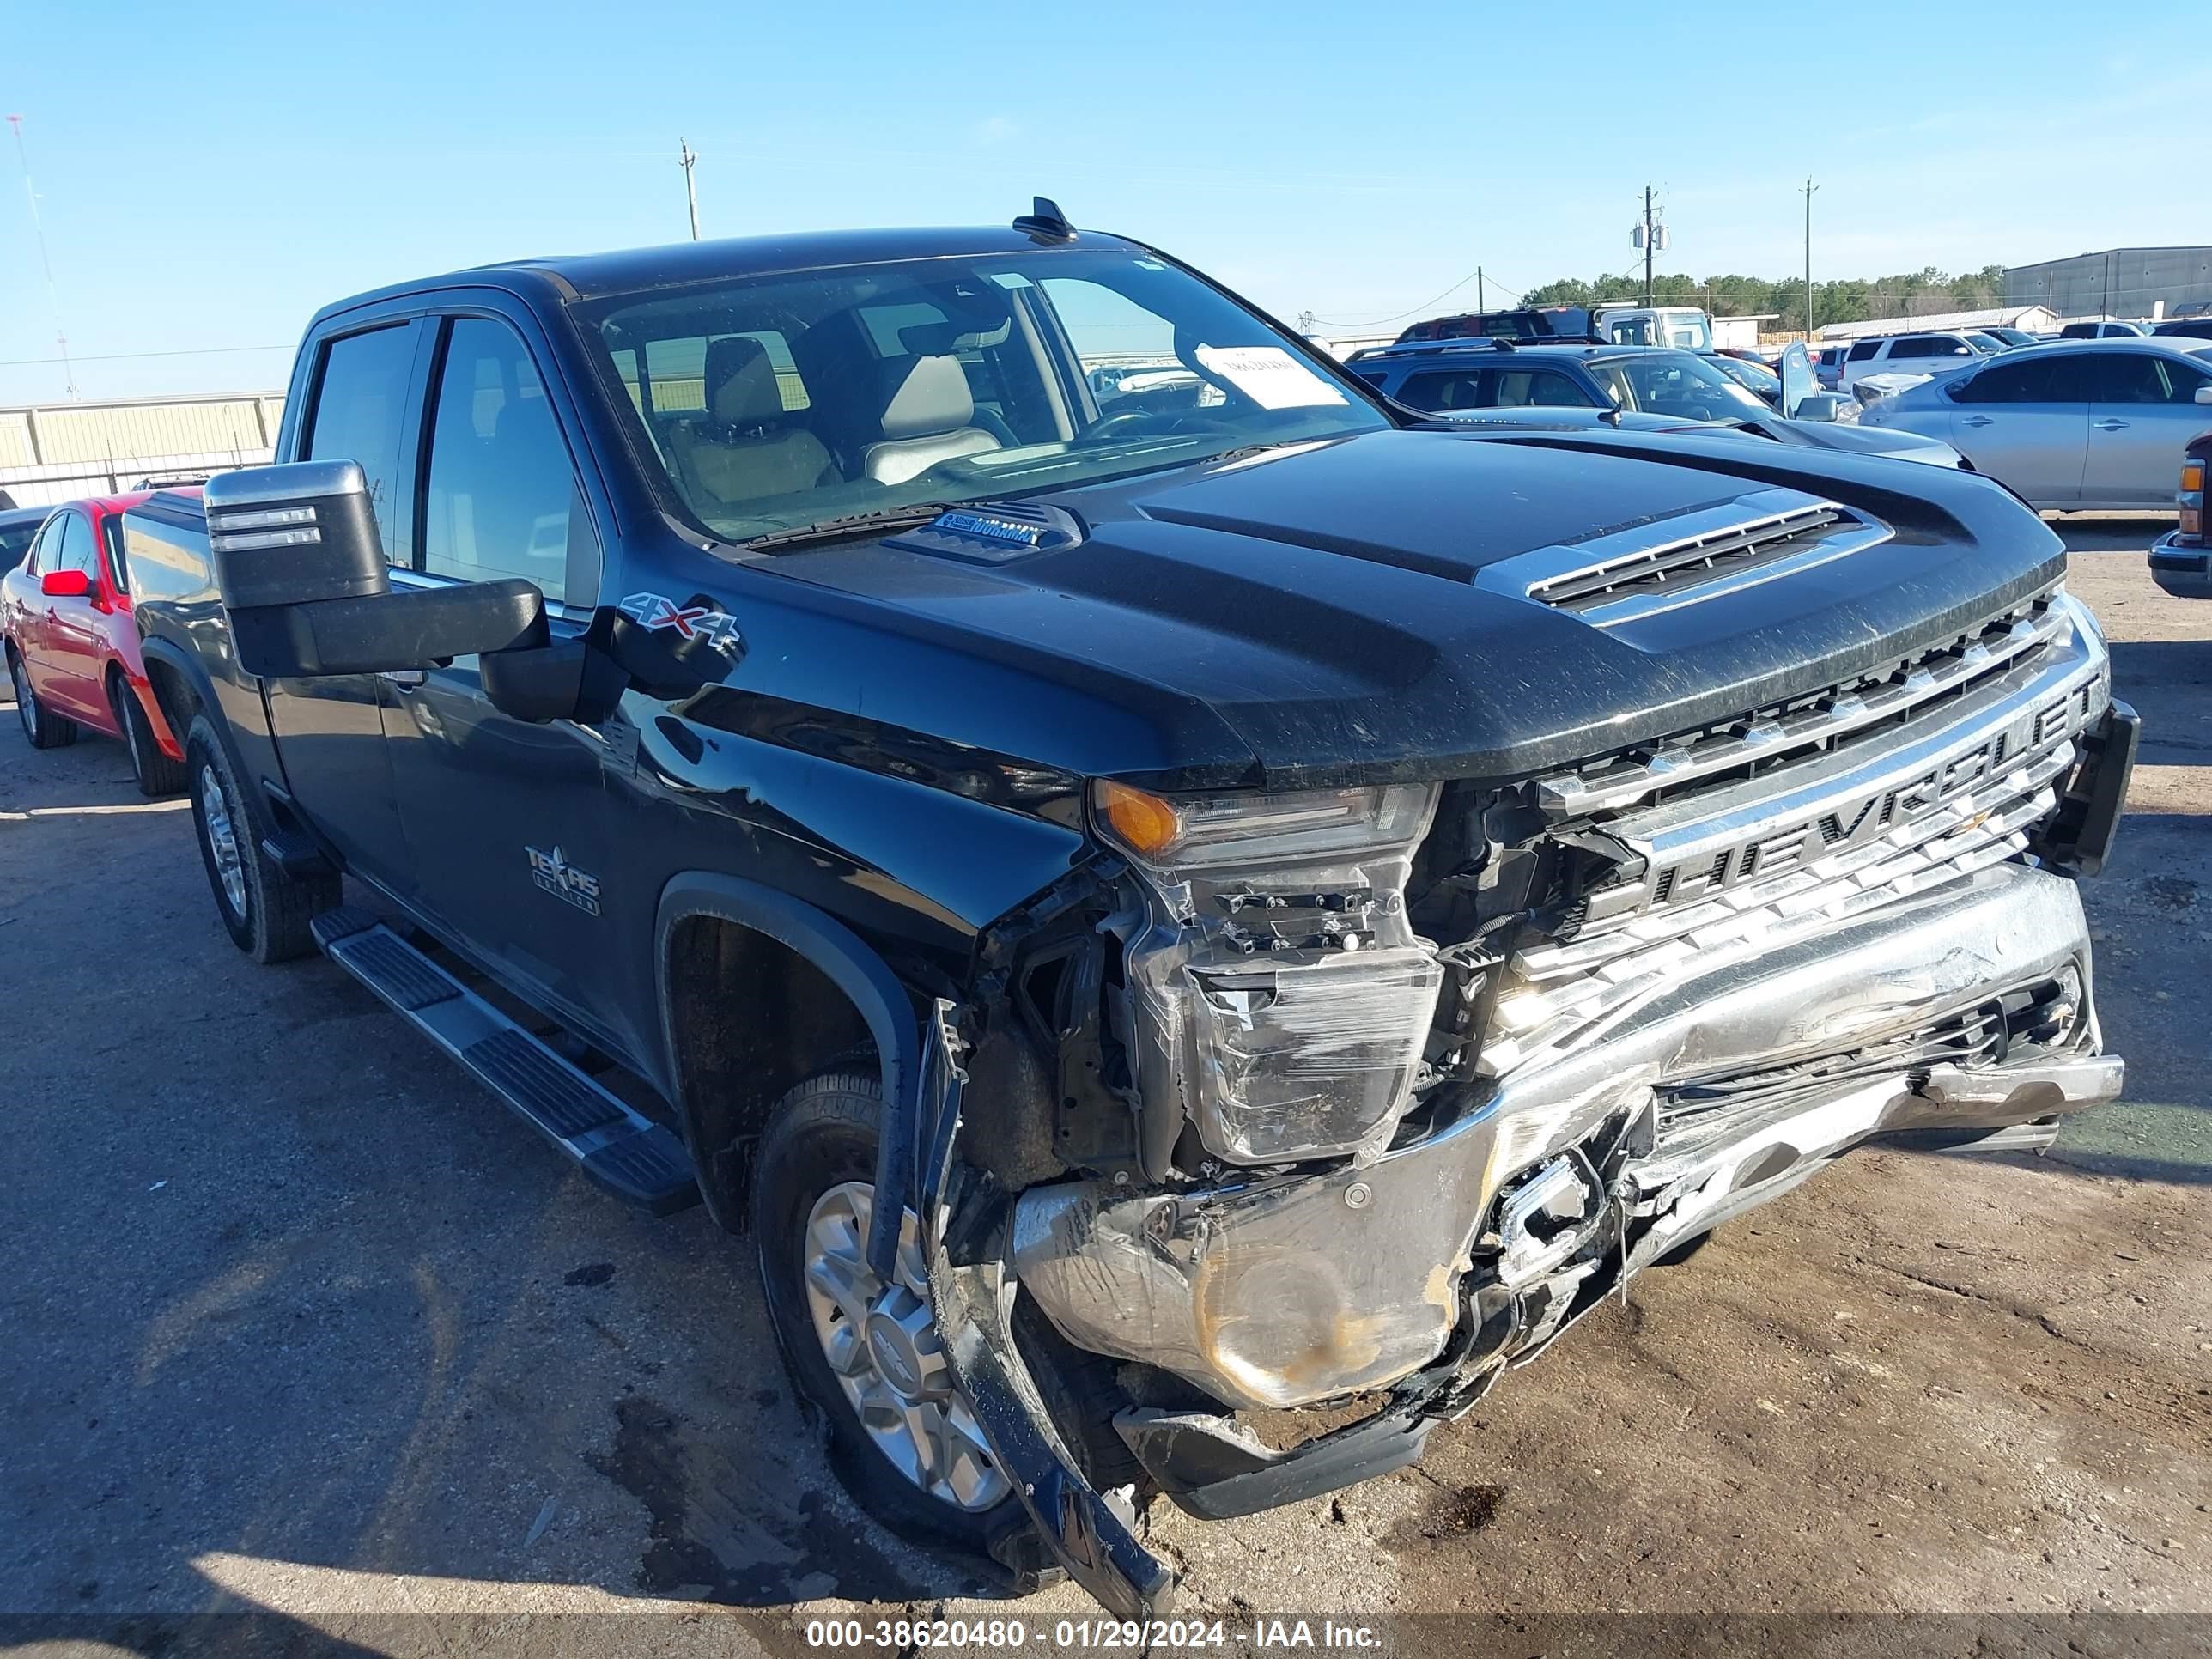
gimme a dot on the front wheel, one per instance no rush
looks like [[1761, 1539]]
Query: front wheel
[[265, 911], [41, 729], [863, 1350]]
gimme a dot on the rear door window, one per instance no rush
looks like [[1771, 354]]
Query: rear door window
[[1444, 389], [1864, 350], [1515, 388], [360, 407]]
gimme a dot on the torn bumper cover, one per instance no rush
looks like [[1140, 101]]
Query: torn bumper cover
[[1273, 1291]]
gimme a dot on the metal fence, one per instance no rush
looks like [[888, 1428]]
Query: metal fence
[[53, 452]]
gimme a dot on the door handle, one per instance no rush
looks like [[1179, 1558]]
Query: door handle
[[404, 677], [1973, 420], [2110, 425]]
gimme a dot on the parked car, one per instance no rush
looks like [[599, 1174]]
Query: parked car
[[1828, 364], [2109, 329], [2088, 425], [72, 643], [2011, 337], [1159, 914], [1677, 389], [1905, 354], [1685, 326], [19, 528], [2181, 560], [2187, 328], [1844, 437]]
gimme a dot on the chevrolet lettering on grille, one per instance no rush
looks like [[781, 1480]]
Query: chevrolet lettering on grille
[[1699, 860]]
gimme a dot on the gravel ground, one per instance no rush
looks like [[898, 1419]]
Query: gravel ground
[[298, 1320]]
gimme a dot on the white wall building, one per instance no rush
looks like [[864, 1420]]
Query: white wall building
[[2036, 319]]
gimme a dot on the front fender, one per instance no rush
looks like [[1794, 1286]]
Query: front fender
[[850, 964]]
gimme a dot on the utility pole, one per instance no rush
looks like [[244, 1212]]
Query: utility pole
[[39, 228], [1650, 244], [687, 158], [1479, 305], [1809, 188]]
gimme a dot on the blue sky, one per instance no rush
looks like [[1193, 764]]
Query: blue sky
[[209, 175]]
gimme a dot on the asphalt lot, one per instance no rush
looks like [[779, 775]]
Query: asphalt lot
[[298, 1319]]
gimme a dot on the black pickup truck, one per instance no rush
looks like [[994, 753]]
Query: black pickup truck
[[1287, 905]]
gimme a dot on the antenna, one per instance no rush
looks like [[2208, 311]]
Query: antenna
[[68, 369], [1046, 222], [687, 158]]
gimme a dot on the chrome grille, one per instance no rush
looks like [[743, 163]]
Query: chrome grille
[[1766, 737], [1748, 864]]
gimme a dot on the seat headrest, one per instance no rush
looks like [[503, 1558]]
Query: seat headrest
[[925, 396], [741, 384]]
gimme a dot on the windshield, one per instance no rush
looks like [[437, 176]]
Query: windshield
[[1677, 383], [1983, 342], [774, 404], [1757, 377]]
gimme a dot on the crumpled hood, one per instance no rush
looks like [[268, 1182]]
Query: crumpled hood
[[1321, 615]]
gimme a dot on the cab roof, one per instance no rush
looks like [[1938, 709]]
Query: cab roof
[[561, 277]]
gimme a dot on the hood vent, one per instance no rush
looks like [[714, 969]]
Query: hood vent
[[1627, 573]]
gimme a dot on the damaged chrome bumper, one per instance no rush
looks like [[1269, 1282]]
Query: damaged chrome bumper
[[1288, 1290]]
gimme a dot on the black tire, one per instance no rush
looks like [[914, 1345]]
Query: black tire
[[157, 775], [821, 1135], [42, 727], [265, 911]]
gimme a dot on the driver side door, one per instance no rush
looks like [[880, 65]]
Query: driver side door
[[508, 821]]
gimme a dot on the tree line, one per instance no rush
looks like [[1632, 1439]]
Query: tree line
[[1917, 293]]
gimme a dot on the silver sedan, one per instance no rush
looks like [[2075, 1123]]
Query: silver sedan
[[2077, 426]]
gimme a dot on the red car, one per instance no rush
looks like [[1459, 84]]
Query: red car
[[72, 646]]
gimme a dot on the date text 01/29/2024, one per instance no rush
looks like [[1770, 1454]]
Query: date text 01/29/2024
[[1008, 1635]]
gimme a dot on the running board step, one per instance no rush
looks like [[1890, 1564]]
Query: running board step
[[630, 1155]]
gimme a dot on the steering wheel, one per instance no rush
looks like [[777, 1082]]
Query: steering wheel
[[995, 424], [1165, 422]]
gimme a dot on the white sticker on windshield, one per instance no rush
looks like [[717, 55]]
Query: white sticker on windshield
[[1269, 376]]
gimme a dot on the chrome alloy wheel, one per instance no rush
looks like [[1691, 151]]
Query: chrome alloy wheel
[[222, 836], [27, 706], [881, 1343]]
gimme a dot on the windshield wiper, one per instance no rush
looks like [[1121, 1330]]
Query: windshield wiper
[[851, 524]]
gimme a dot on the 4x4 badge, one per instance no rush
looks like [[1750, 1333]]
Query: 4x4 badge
[[553, 872], [687, 622]]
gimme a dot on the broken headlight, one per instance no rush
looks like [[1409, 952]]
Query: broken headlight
[[1282, 996]]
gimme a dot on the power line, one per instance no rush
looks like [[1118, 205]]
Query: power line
[[1371, 322], [131, 356]]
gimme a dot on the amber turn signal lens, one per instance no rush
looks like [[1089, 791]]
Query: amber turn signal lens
[[1144, 823], [2192, 477]]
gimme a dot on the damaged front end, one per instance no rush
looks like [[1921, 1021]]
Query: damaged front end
[[1362, 1096]]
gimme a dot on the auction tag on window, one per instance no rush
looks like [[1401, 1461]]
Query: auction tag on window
[[1269, 376]]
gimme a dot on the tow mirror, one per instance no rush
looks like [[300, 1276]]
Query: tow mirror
[[65, 584], [302, 572], [292, 535]]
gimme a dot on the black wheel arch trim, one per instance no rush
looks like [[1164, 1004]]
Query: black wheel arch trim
[[849, 962]]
